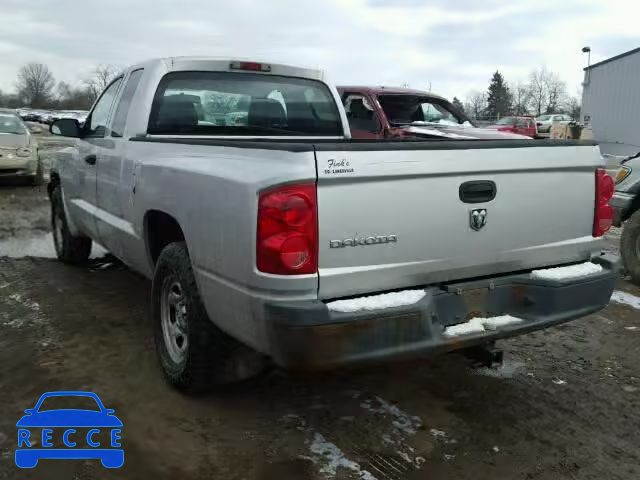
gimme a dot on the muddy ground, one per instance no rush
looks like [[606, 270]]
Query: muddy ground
[[566, 403]]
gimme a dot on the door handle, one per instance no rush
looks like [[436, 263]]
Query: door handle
[[91, 159], [478, 191]]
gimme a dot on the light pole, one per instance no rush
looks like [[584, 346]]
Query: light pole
[[587, 50]]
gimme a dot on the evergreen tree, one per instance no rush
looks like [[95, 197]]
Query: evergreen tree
[[458, 104], [498, 97]]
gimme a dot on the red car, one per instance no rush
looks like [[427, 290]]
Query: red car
[[523, 125]]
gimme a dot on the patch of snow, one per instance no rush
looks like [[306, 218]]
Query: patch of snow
[[403, 426], [496, 449], [405, 456], [37, 246], [506, 370], [386, 439], [559, 381], [474, 325], [565, 273], [377, 302], [30, 304], [626, 299], [477, 325], [330, 457], [631, 328], [629, 388], [497, 322], [406, 423], [438, 433], [448, 457]]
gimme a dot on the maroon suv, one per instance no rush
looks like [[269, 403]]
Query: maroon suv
[[382, 112]]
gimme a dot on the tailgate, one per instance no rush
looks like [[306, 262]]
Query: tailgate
[[393, 215]]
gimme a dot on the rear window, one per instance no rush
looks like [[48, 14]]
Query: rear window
[[223, 103]]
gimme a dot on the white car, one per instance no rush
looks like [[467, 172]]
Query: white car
[[18, 149], [545, 122]]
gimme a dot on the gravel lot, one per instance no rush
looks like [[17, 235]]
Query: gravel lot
[[565, 404]]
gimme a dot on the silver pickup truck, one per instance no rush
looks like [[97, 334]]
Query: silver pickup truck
[[270, 234]]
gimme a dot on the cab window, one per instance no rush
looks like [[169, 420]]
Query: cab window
[[360, 114], [97, 124]]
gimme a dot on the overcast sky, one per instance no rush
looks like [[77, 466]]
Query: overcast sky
[[453, 44]]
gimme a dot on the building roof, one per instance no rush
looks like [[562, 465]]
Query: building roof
[[625, 54], [389, 91]]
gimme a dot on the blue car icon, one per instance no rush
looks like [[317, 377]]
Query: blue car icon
[[69, 419]]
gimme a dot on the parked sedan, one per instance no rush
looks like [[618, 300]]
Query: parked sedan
[[18, 149], [521, 125], [544, 122]]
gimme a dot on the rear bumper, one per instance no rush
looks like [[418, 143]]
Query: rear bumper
[[621, 203], [307, 336]]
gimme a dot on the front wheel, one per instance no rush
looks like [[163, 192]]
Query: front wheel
[[70, 249], [195, 354], [38, 178], [630, 246]]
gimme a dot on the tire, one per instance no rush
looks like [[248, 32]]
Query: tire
[[630, 246], [194, 354], [38, 178], [69, 248]]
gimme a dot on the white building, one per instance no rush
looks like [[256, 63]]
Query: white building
[[611, 103]]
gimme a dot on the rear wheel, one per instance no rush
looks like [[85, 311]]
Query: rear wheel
[[69, 248], [630, 246], [195, 355]]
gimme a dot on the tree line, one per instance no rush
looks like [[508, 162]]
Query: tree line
[[36, 87], [544, 92]]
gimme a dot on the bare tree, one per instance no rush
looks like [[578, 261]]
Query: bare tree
[[547, 91], [572, 107], [537, 88], [72, 98], [35, 84], [476, 104], [520, 98], [101, 76]]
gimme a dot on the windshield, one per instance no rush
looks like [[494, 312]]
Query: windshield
[[412, 109], [11, 124], [544, 118], [507, 121], [69, 402], [221, 103]]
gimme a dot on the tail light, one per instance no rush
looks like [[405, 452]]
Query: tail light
[[603, 216], [287, 239]]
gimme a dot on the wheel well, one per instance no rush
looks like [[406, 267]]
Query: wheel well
[[161, 229], [54, 179], [635, 205]]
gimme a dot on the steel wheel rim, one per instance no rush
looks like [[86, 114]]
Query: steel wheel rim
[[173, 313]]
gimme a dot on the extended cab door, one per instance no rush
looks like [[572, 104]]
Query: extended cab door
[[115, 174], [82, 197], [363, 120]]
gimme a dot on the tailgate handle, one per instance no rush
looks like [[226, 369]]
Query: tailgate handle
[[478, 191]]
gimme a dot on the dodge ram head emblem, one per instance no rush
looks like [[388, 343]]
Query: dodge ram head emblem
[[478, 218]]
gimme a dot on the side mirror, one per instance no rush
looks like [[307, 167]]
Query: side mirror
[[66, 127]]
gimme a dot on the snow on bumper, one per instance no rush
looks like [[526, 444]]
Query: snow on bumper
[[316, 335], [568, 272]]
